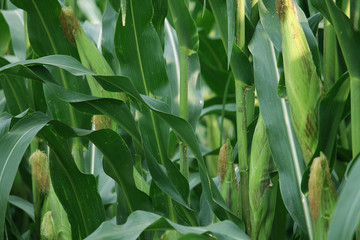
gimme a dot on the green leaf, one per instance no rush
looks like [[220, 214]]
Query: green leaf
[[140, 54], [12, 148], [220, 10], [141, 221], [76, 191], [348, 39], [5, 121], [16, 93], [172, 55], [329, 119], [213, 63], [15, 20], [179, 125], [107, 42], [184, 24], [347, 210], [5, 35], [23, 205], [45, 32], [47, 37], [117, 111], [276, 116], [118, 165]]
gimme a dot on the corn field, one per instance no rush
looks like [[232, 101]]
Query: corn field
[[180, 119]]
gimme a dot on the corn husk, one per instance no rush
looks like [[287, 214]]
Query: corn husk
[[226, 173], [322, 196], [303, 85], [262, 191]]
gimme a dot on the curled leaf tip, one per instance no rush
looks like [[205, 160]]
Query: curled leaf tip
[[69, 24]]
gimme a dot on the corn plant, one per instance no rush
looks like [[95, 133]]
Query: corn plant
[[179, 119]]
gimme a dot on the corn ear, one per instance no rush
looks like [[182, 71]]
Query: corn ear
[[303, 85], [262, 191], [89, 54], [322, 196], [226, 173]]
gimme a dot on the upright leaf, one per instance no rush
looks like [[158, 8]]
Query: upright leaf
[[275, 113], [140, 55], [15, 20], [5, 39], [348, 39], [347, 210]]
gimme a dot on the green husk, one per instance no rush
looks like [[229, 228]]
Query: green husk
[[47, 227], [90, 56], [262, 191], [303, 85], [322, 196], [226, 173]]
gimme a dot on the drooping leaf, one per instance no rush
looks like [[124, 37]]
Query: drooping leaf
[[275, 113], [140, 221], [12, 147], [140, 54], [121, 83], [47, 37], [23, 205], [16, 93], [76, 191]]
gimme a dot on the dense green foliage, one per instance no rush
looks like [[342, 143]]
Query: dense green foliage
[[179, 119]]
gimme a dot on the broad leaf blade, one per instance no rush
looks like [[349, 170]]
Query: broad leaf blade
[[140, 221], [76, 191], [182, 127], [276, 117], [12, 147]]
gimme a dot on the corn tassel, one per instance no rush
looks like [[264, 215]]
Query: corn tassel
[[262, 191], [303, 85], [322, 196]]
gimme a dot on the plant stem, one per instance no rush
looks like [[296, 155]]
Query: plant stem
[[223, 108], [184, 164], [241, 125]]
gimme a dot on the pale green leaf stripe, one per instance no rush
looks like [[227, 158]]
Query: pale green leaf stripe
[[141, 221]]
